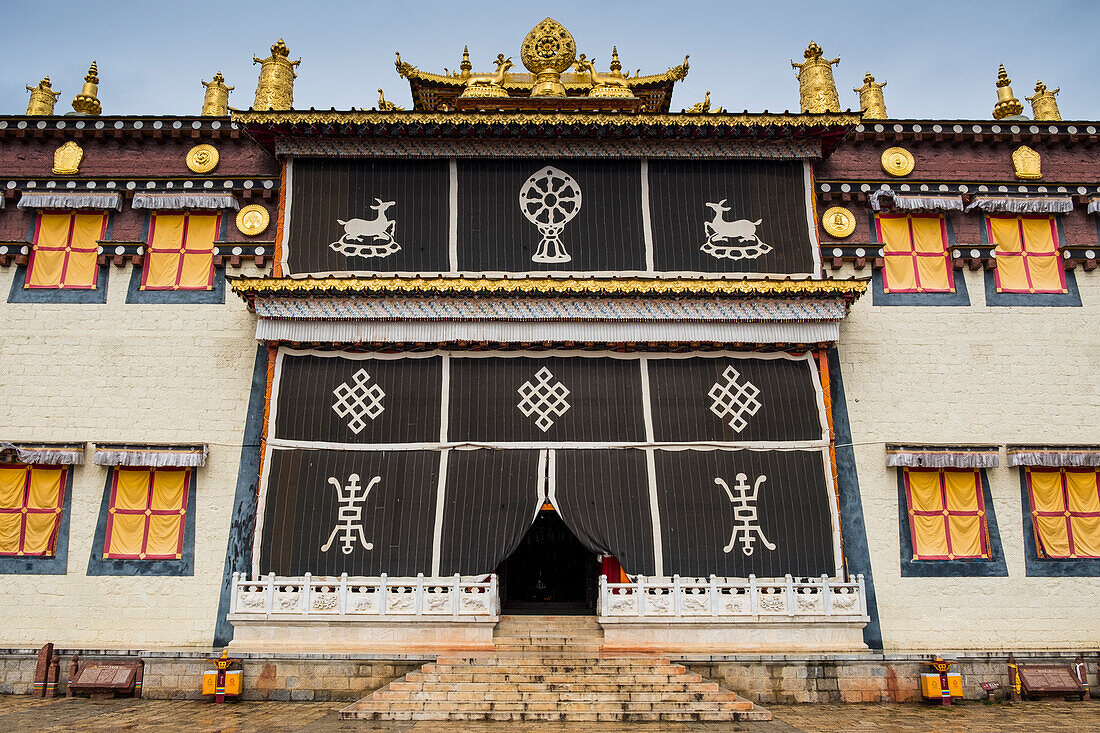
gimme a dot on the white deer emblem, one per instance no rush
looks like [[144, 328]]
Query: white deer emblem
[[360, 235], [741, 230]]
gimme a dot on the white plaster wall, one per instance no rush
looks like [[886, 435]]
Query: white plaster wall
[[972, 375], [119, 372]]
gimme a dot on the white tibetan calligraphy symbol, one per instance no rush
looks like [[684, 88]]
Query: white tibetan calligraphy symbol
[[734, 399], [360, 235], [746, 521], [349, 520], [546, 398], [357, 400], [550, 199], [742, 230]]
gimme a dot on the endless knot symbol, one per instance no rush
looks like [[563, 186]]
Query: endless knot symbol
[[357, 400], [543, 399], [734, 399]]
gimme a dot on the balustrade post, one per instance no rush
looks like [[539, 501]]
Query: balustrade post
[[382, 596], [790, 595], [418, 602], [676, 588], [307, 588], [270, 593], [494, 588], [713, 595], [233, 594], [342, 595], [600, 604], [754, 598], [826, 600], [641, 595], [456, 597], [862, 595]]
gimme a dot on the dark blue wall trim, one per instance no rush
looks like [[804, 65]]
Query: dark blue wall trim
[[59, 563], [19, 294], [852, 526], [238, 554], [959, 298], [1071, 299], [994, 567], [97, 565], [134, 293], [1037, 567]]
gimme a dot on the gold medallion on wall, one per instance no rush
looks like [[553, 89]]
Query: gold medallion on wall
[[253, 220], [202, 158], [839, 222], [1026, 164], [67, 159], [897, 161]]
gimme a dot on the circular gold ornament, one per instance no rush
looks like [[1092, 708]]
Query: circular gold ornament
[[253, 220], [202, 158], [839, 222], [897, 161], [548, 46]]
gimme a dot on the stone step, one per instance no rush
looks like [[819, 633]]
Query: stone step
[[520, 677], [556, 688], [558, 706], [586, 696], [748, 715], [522, 666]]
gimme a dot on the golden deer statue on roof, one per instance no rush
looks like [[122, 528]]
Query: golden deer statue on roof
[[489, 86]]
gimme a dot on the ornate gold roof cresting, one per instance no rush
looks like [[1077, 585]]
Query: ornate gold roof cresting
[[815, 81], [275, 88], [547, 51], [215, 102], [87, 103], [1007, 104], [871, 99], [1044, 107], [43, 98]]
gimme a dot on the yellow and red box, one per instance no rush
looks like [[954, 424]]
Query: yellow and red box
[[930, 685], [232, 682]]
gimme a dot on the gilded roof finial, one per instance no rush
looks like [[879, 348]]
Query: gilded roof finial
[[616, 65], [465, 67], [871, 99], [547, 51], [1043, 105], [87, 103], [385, 106], [815, 81], [275, 88], [42, 99], [215, 102], [1007, 104]]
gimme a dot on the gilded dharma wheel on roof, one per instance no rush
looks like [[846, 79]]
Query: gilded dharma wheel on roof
[[547, 51]]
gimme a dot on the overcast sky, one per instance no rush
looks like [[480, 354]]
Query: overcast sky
[[939, 57]]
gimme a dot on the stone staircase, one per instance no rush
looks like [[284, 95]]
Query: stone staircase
[[550, 668]]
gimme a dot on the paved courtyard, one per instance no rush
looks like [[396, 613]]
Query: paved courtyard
[[22, 713]]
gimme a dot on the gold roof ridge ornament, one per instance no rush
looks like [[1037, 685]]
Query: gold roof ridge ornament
[[704, 106], [87, 103], [275, 87], [465, 68], [871, 100], [215, 103], [1007, 104], [817, 90], [43, 98], [1044, 107], [489, 85], [547, 51], [604, 87], [385, 106]]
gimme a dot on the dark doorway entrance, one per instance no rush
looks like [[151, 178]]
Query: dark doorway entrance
[[550, 572]]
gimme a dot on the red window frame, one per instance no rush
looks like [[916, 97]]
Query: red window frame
[[1066, 512], [947, 514], [148, 511], [1025, 256], [914, 255], [176, 286], [24, 510], [67, 249]]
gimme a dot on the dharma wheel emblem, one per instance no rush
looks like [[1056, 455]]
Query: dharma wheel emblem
[[550, 199]]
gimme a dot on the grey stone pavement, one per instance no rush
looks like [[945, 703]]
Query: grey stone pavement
[[23, 713]]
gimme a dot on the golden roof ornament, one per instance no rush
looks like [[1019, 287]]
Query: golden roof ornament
[[871, 99], [1007, 104], [547, 51], [215, 103], [490, 85], [1027, 165], [616, 65], [704, 106], [275, 88], [815, 81], [603, 87], [385, 106], [67, 159], [43, 98], [465, 67], [1044, 107], [87, 103]]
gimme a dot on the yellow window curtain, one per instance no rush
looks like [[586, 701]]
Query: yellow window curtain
[[65, 250], [946, 514], [180, 253], [915, 254], [1065, 511], [147, 513], [1028, 260], [31, 498]]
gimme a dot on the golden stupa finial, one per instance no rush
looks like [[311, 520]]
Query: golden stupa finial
[[871, 99], [87, 103], [547, 51], [815, 81], [275, 88], [465, 68], [616, 65], [1044, 106], [42, 99], [215, 102], [1007, 104]]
